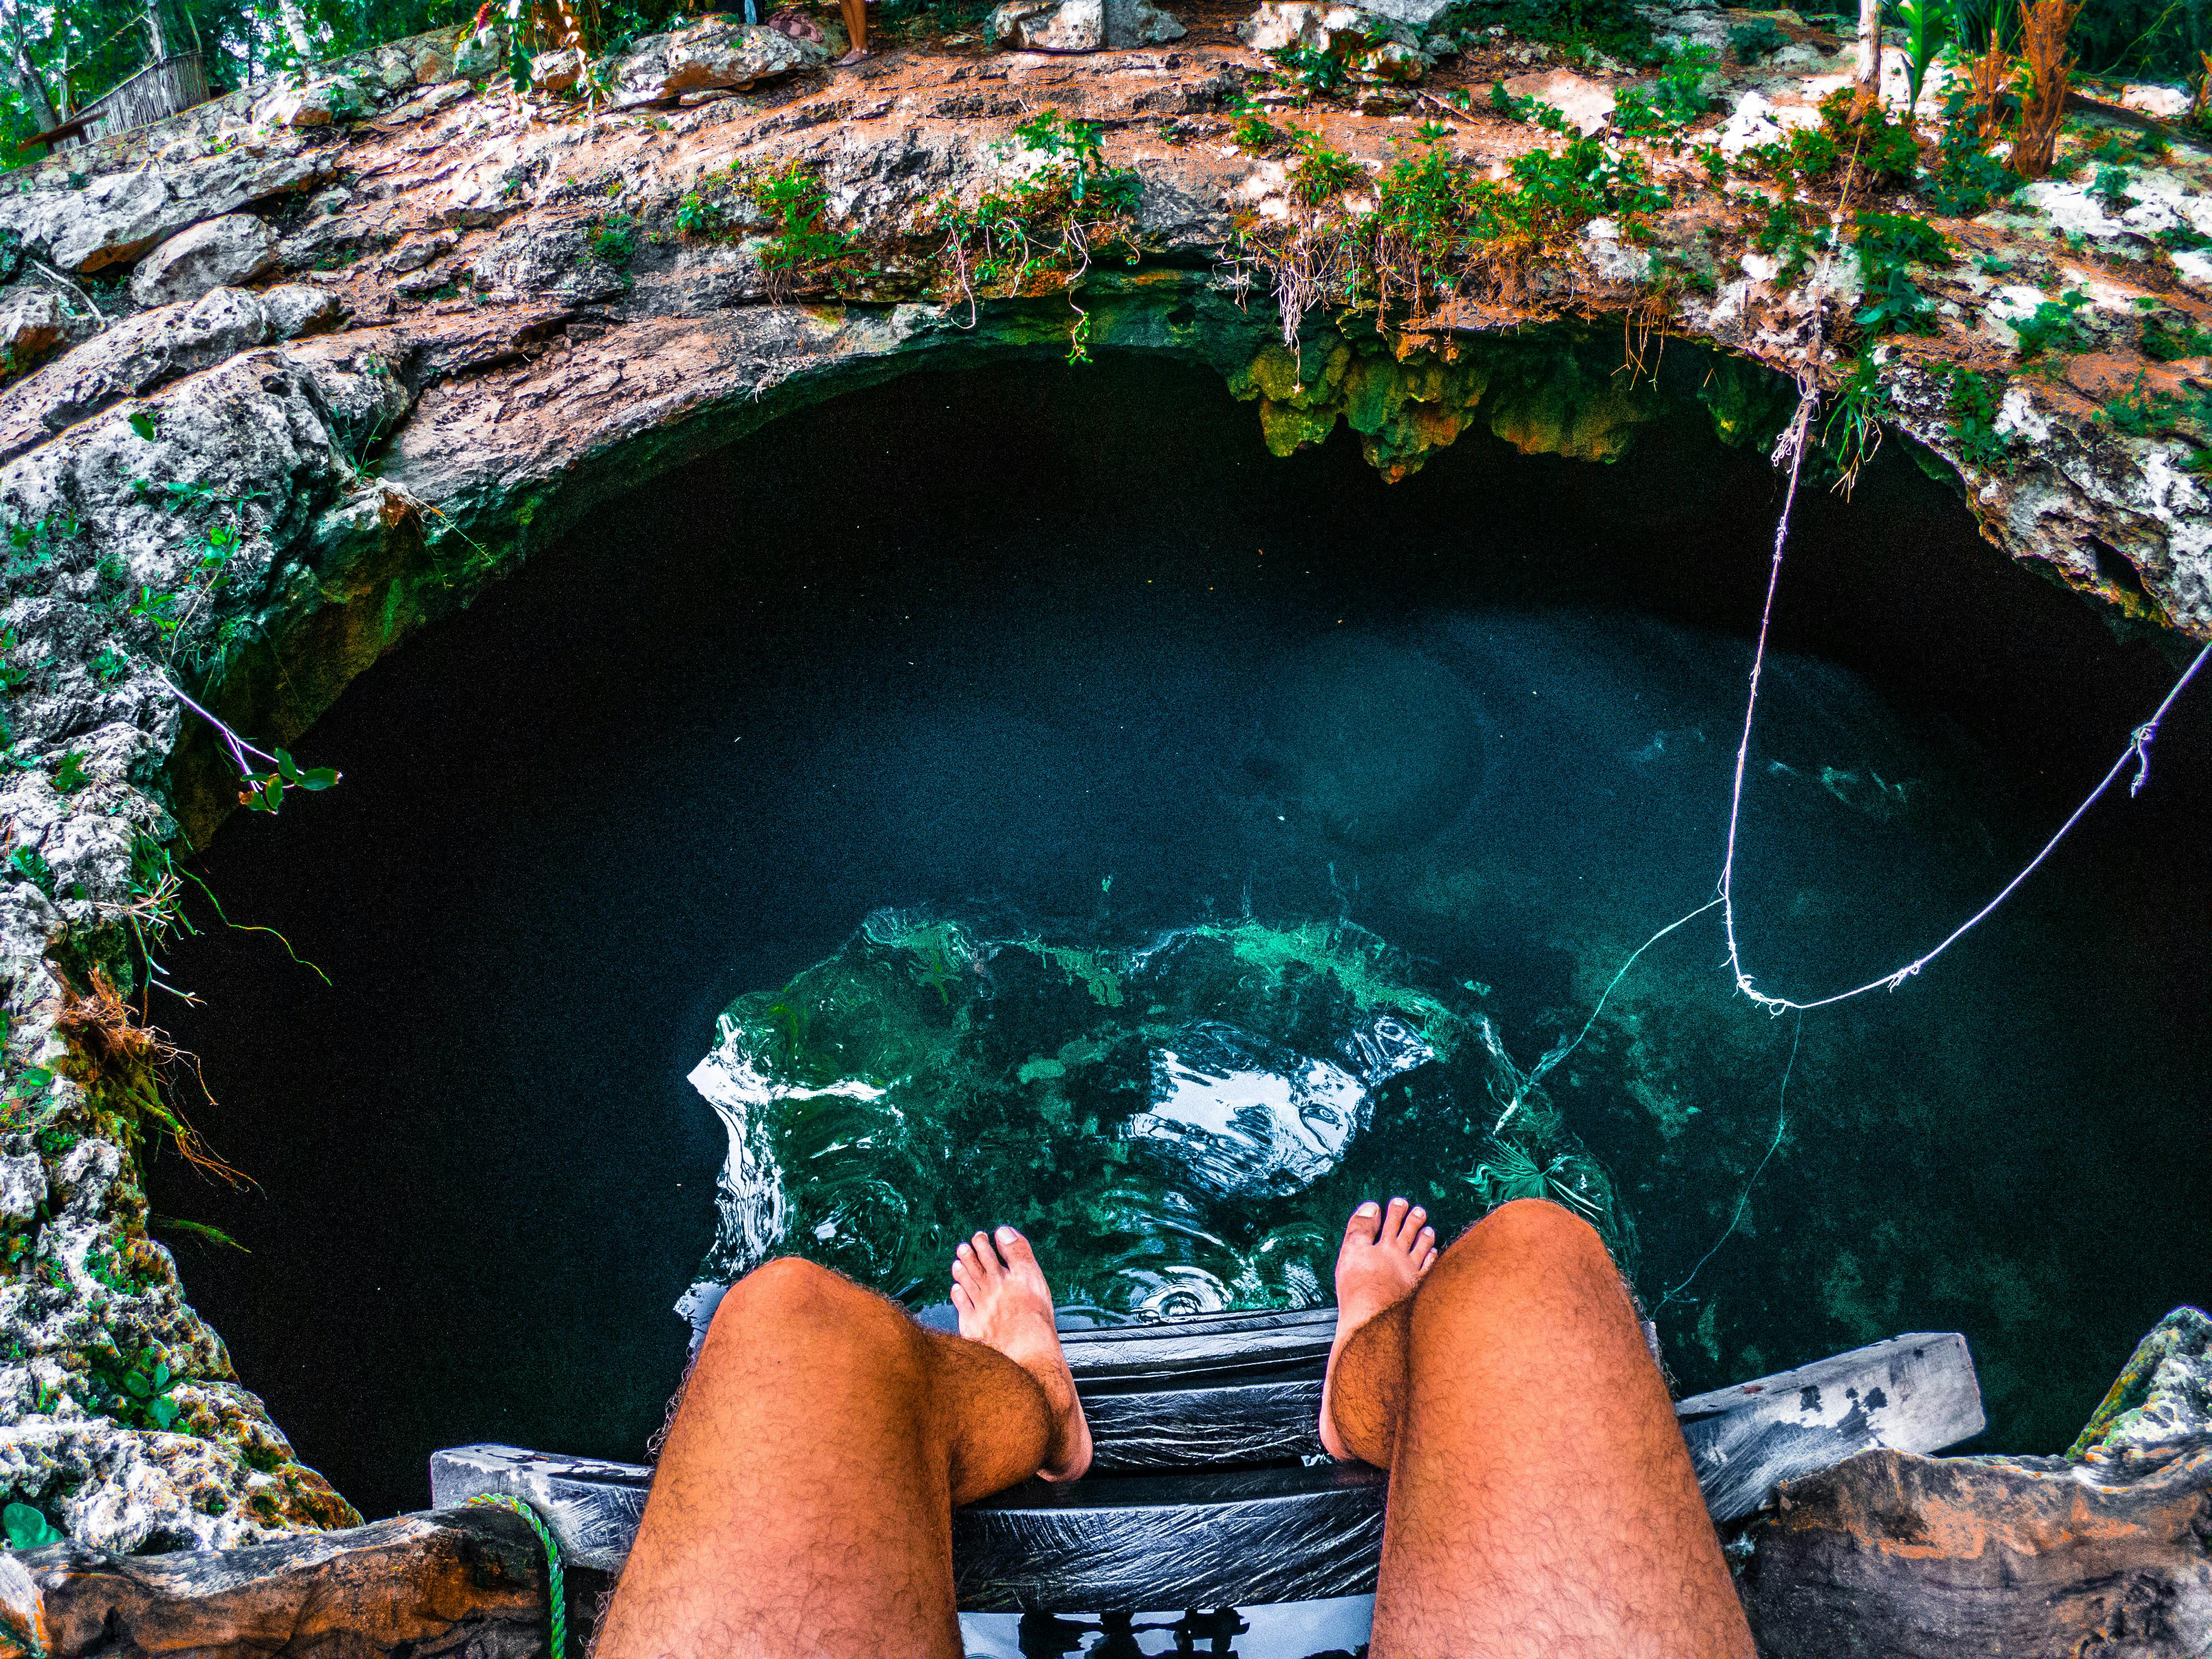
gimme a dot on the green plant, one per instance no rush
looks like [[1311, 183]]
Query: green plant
[[800, 245], [1308, 73], [1760, 38], [1928, 30], [1674, 100], [1973, 401], [2163, 345], [613, 242], [2055, 325], [70, 775], [1888, 244], [1048, 222], [28, 1528], [1966, 178], [1884, 150], [2110, 188], [1253, 131], [111, 665], [2146, 411], [1852, 431], [28, 863], [698, 214]]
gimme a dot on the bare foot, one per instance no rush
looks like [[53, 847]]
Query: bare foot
[[1385, 1252], [1005, 1304], [854, 56]]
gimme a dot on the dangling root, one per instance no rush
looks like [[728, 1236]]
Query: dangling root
[[122, 1062]]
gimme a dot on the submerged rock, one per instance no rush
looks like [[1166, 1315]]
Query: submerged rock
[[1180, 1127]]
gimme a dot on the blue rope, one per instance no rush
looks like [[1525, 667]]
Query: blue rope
[[556, 1595]]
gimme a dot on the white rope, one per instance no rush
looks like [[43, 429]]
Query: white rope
[[1792, 447]]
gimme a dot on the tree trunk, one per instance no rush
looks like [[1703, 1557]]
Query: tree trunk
[[1869, 61], [15, 64], [296, 30]]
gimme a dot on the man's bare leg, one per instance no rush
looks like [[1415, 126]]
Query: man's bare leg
[[1541, 1498], [803, 1505]]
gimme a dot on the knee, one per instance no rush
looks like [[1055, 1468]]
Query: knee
[[789, 1297], [1531, 1230]]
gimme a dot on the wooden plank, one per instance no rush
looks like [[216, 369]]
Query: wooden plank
[[1135, 1543], [1916, 1394], [1168, 1521]]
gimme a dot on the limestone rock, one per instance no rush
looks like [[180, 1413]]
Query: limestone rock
[[129, 360], [318, 104], [117, 217], [224, 252], [1063, 26], [557, 72], [23, 1186], [1372, 48], [2162, 1398], [481, 55], [712, 55], [32, 324], [1415, 13], [1587, 104], [1049, 25], [297, 308]]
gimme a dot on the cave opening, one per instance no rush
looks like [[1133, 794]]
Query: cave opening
[[1063, 653]]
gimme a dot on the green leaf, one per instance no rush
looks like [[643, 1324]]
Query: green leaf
[[161, 1374], [145, 423], [137, 1383], [28, 1528], [317, 777], [285, 769], [163, 1411]]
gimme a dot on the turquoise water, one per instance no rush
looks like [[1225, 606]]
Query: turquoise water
[[1079, 694]]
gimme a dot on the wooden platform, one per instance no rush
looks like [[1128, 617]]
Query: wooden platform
[[1210, 1489]]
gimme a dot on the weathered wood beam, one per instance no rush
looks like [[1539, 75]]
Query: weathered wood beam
[[1894, 1556], [463, 1584]]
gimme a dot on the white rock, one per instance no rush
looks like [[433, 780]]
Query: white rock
[[2166, 103], [1131, 23], [481, 55], [23, 1186], [1049, 25], [297, 308], [32, 325], [557, 72], [711, 55], [319, 104], [223, 252], [1587, 104]]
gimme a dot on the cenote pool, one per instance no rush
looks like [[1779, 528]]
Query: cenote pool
[[1030, 737]]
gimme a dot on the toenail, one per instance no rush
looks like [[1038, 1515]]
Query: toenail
[[1371, 1208], [1005, 1235]]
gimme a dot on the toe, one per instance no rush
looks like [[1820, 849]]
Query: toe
[[1394, 1220], [1416, 1236], [1427, 1262], [961, 1300], [1020, 1259], [1360, 1229], [986, 1257]]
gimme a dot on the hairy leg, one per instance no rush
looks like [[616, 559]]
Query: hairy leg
[[1541, 1498], [803, 1504]]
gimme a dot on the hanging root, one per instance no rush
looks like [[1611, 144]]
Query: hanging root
[[125, 1065]]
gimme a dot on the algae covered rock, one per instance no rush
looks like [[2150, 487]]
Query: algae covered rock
[[1180, 1127], [2162, 1398]]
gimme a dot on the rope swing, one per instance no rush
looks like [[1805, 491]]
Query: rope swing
[[1791, 448]]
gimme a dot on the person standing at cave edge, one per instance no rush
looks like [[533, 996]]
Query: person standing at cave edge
[[1541, 1500]]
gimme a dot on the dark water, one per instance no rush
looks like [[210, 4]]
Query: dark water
[[982, 642]]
